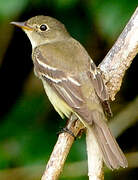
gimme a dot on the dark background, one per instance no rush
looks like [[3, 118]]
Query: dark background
[[28, 122]]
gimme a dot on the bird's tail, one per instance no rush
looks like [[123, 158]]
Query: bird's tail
[[112, 154]]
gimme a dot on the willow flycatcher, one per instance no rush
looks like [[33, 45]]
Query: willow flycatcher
[[72, 81]]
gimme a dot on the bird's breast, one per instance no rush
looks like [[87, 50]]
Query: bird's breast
[[60, 106]]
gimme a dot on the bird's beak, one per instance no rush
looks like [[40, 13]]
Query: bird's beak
[[22, 25]]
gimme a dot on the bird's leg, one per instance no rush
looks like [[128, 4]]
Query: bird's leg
[[65, 129], [73, 118]]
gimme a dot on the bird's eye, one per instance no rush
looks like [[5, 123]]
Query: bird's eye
[[43, 27]]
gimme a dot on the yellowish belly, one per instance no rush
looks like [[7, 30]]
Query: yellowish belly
[[60, 106]]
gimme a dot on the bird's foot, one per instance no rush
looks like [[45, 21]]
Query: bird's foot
[[63, 130]]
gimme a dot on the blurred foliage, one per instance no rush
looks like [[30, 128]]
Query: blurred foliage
[[10, 8], [111, 16], [28, 123]]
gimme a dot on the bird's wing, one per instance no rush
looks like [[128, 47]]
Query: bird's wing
[[66, 86], [97, 82], [100, 88]]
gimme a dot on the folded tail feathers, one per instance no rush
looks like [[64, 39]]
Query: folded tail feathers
[[112, 154]]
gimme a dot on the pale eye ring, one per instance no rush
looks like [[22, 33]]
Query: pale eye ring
[[43, 27]]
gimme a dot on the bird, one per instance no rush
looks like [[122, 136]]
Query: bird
[[72, 82]]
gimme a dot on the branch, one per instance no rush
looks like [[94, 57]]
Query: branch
[[80, 167], [61, 150], [95, 160], [113, 68], [124, 119], [119, 58], [75, 167]]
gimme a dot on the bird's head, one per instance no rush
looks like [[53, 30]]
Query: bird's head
[[43, 29]]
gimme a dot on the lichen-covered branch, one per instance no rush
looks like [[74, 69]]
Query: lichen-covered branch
[[113, 68], [61, 150], [120, 56]]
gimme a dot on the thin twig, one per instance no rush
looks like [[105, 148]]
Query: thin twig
[[113, 68], [124, 119]]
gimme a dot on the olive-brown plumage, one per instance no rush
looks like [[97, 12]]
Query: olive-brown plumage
[[72, 82]]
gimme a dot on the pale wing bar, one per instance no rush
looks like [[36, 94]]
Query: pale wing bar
[[67, 87], [69, 94]]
